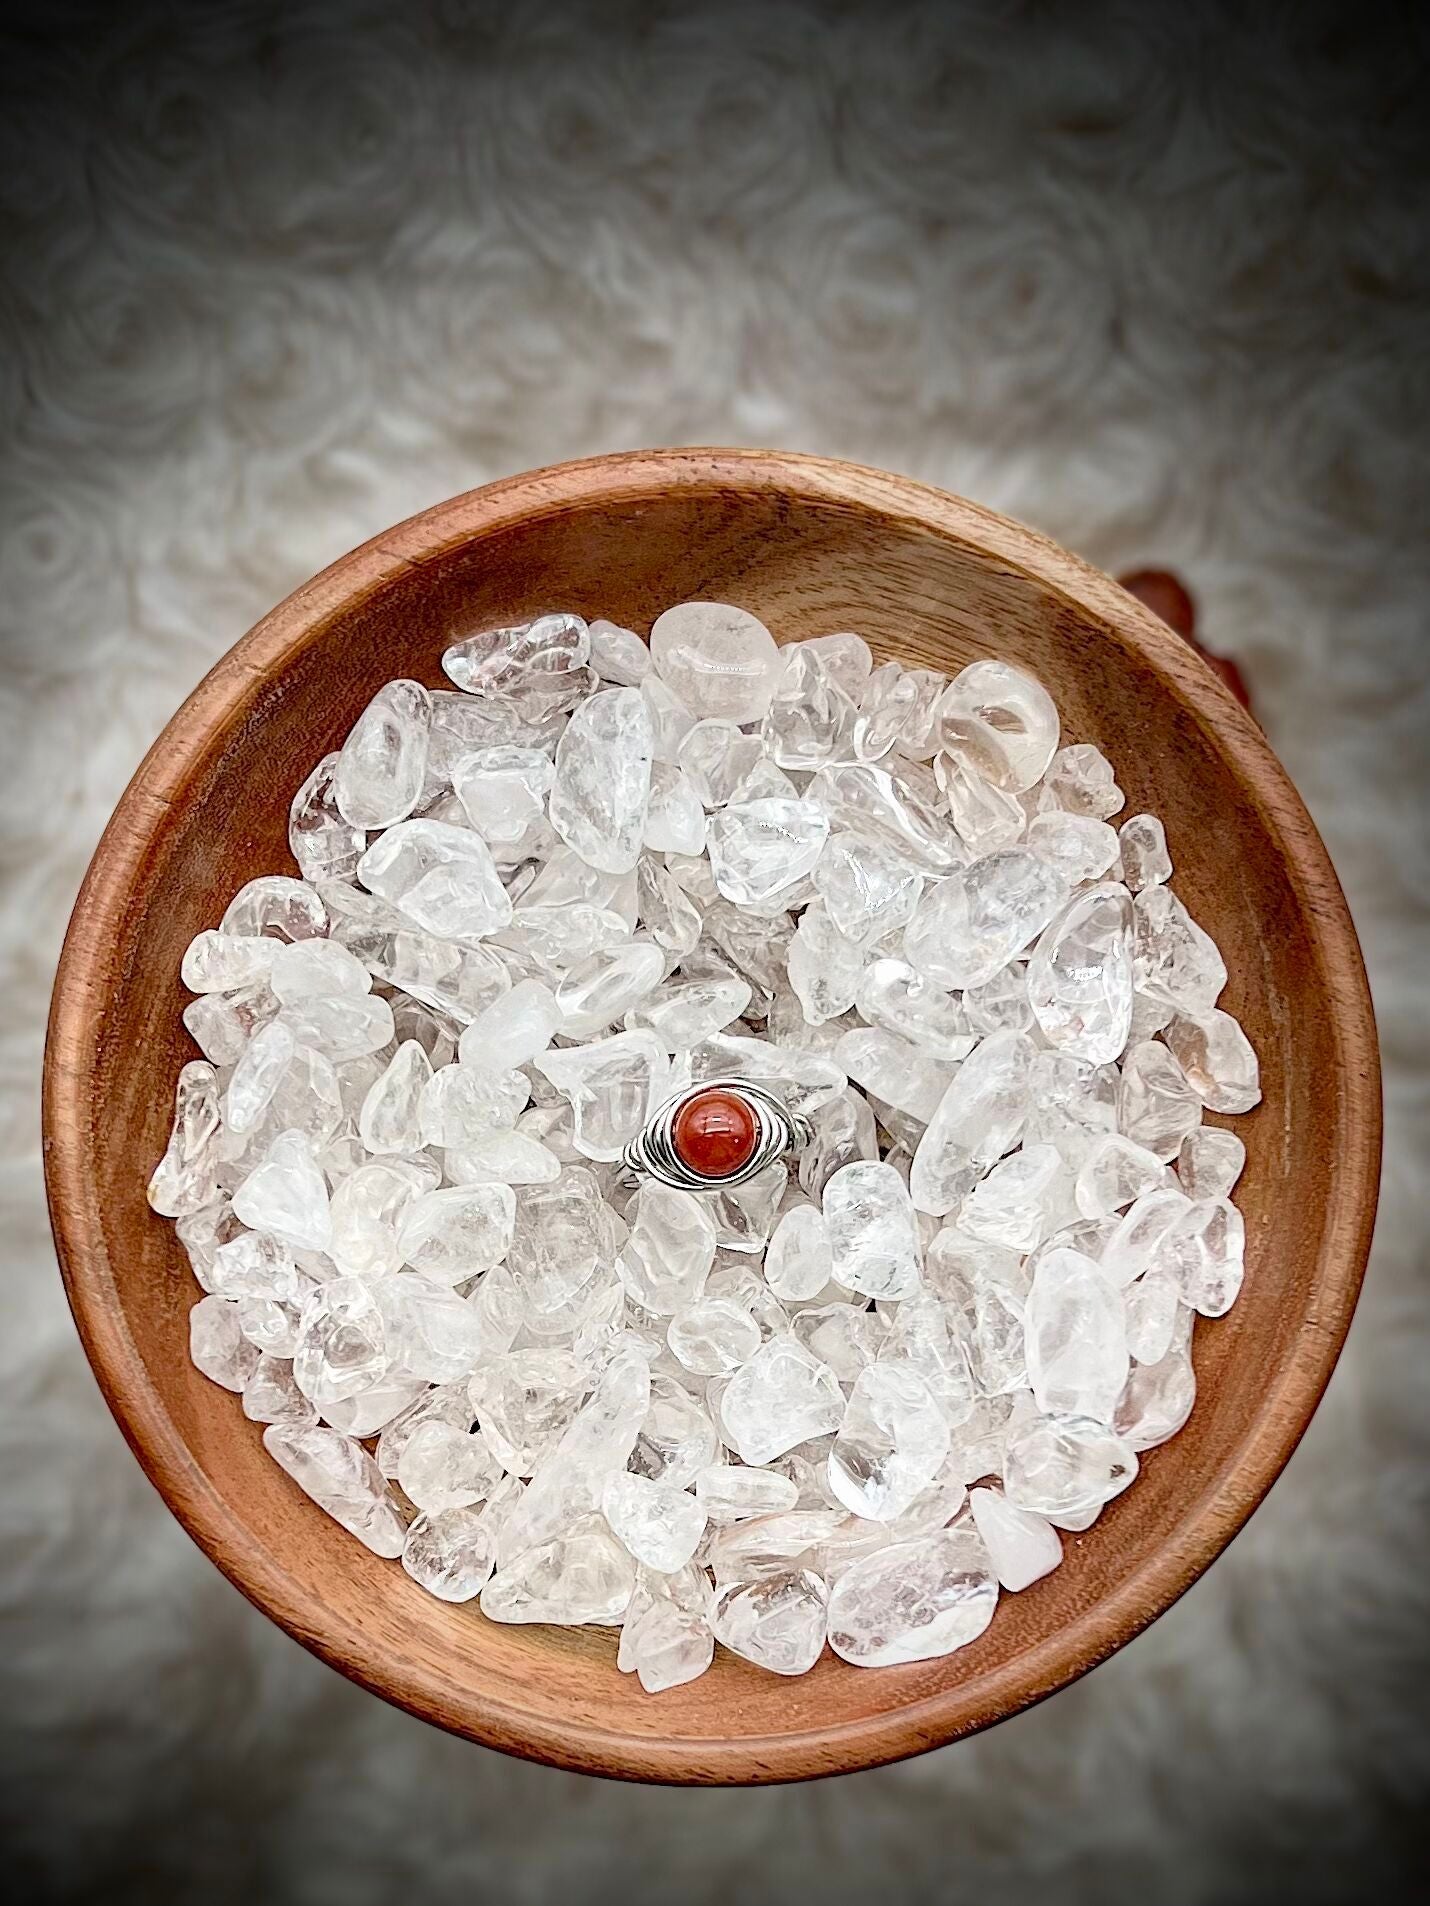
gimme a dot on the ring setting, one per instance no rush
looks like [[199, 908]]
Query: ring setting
[[711, 1136]]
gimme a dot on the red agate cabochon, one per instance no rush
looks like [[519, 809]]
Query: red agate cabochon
[[715, 1132]]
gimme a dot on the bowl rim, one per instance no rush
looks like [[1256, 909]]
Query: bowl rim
[[91, 1286]]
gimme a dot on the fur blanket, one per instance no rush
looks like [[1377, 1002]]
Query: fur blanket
[[275, 276]]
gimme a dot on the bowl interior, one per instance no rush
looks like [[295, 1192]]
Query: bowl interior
[[810, 548]]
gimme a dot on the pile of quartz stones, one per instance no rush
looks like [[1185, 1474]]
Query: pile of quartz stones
[[845, 1401]]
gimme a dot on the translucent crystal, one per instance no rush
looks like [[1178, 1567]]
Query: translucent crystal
[[1061, 1465], [722, 662], [276, 904], [601, 791], [503, 1158], [885, 810], [1022, 1547], [890, 707], [217, 1344], [893, 995], [255, 1265], [287, 1195], [670, 1249], [913, 1601], [341, 1027], [1172, 958], [966, 928], [598, 990], [1204, 1249], [1001, 718], [799, 1260], [890, 1444], [431, 1332], [845, 656], [534, 669], [665, 1638], [1151, 1305], [685, 1013], [325, 846], [810, 719], [503, 791], [1076, 1337], [1218, 1060], [618, 655], [985, 817], [227, 962], [732, 1492], [1134, 1244], [1142, 841], [1019, 1202], [442, 878], [444, 1466], [677, 1439], [978, 1119], [1080, 780], [255, 1078], [583, 1575], [666, 911], [390, 1119], [463, 1104], [713, 1338], [1077, 846], [867, 892], [523, 1401], [382, 764], [452, 1554], [894, 1070], [660, 1524], [715, 758], [220, 1027], [446, 1404], [757, 848], [675, 819], [823, 966], [1210, 1162], [1156, 1105], [1159, 1396], [1116, 1172], [449, 1236], [599, 1439], [271, 1396], [317, 967], [342, 1479], [873, 1239], [1080, 975], [184, 1179], [612, 1087], [513, 1029], [777, 1622], [781, 1397]]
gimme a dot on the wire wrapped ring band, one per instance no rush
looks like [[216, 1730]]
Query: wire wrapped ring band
[[714, 1135]]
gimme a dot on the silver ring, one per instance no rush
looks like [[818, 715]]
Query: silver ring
[[661, 1149]]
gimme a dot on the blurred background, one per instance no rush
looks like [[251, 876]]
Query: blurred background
[[1154, 277]]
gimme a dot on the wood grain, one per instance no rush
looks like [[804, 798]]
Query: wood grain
[[811, 546]]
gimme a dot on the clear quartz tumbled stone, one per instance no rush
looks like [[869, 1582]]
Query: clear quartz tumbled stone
[[778, 1622], [782, 1397], [722, 662], [968, 927], [381, 765], [913, 1601], [1080, 975], [601, 792], [891, 1443], [873, 1239]]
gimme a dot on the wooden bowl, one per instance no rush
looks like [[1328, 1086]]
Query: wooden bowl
[[811, 546]]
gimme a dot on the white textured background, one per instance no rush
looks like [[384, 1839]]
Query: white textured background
[[275, 277]]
